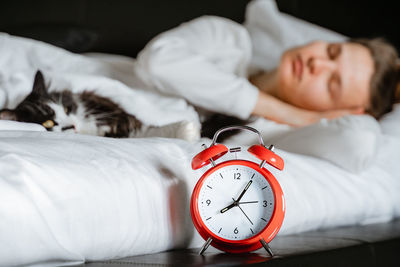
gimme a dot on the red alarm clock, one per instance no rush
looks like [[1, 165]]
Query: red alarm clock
[[237, 205]]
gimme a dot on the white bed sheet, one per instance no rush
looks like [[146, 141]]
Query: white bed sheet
[[66, 199]]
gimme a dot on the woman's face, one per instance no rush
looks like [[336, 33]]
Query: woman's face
[[326, 76]]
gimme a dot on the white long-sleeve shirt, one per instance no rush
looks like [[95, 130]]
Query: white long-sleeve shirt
[[205, 61]]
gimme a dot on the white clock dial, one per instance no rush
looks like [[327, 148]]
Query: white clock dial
[[223, 214]]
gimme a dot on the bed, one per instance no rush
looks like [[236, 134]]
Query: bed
[[70, 199]]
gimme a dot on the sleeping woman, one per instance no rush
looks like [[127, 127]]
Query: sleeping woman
[[207, 62]]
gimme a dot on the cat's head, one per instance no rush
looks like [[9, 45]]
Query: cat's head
[[56, 111]]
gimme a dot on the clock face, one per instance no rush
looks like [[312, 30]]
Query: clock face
[[236, 202]]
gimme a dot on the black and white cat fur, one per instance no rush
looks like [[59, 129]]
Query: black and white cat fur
[[88, 113]]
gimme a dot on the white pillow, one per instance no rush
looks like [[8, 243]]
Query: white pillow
[[350, 142], [390, 122], [272, 32]]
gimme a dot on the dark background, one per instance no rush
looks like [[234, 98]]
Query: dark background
[[125, 26]]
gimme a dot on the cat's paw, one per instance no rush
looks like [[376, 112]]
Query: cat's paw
[[188, 130]]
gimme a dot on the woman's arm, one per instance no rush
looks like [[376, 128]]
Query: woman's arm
[[274, 109]]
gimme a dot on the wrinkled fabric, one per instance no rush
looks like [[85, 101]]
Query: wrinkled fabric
[[73, 198]]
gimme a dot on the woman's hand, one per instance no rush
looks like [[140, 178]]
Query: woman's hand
[[274, 109], [310, 117]]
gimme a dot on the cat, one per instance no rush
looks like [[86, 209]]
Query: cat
[[88, 113]]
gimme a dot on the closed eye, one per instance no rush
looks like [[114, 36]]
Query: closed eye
[[67, 128], [334, 50], [334, 86]]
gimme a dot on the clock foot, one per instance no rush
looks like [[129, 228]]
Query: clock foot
[[266, 246], [205, 246]]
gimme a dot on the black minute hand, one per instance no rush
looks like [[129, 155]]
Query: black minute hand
[[244, 191]]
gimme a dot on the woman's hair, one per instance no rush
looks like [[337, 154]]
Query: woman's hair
[[385, 78]]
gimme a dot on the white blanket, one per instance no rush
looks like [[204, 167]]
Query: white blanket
[[66, 199], [106, 75], [74, 198]]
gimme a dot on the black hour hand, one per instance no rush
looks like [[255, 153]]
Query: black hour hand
[[228, 207]]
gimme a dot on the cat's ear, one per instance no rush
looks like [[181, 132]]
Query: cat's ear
[[39, 86], [7, 114]]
